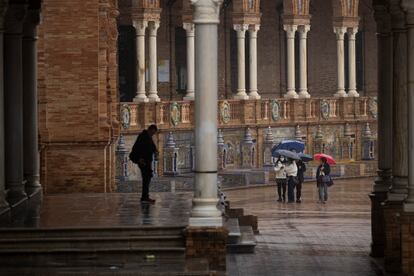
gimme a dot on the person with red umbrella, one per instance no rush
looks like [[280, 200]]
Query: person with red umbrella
[[323, 178]]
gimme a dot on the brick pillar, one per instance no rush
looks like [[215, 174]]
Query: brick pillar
[[407, 243], [209, 243], [392, 253]]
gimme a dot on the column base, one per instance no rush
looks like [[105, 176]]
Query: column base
[[141, 99], [377, 224], [241, 96], [409, 207], [340, 94], [254, 96], [153, 97], [189, 97], [205, 213], [304, 94], [205, 221], [4, 207], [396, 197], [353, 93], [291, 94], [392, 216], [15, 198], [209, 243]]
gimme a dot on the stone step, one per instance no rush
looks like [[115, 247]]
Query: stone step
[[232, 225], [90, 242], [235, 212], [132, 231], [246, 243]]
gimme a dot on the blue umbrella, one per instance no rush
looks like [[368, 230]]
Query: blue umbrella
[[292, 145], [286, 153], [305, 157]]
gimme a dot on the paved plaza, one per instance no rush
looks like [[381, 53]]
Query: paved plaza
[[308, 238]]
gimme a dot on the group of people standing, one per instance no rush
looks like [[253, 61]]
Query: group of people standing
[[290, 174]]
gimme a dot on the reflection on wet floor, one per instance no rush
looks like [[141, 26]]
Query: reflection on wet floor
[[309, 238], [101, 210]]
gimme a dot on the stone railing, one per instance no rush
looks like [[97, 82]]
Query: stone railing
[[179, 115]]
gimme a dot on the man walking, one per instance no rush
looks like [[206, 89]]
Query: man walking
[[142, 154]]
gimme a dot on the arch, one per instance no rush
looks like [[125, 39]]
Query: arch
[[296, 7], [345, 8]]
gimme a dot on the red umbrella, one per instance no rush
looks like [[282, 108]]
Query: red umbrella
[[329, 159]]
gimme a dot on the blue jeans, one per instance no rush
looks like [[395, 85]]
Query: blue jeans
[[323, 191]]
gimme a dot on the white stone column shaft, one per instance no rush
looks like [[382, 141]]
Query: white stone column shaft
[[303, 89], [241, 63], [189, 28], [153, 62], [4, 206], [206, 18], [340, 32], [352, 92], [253, 92], [13, 105], [140, 27], [408, 5], [290, 35], [398, 190], [31, 161]]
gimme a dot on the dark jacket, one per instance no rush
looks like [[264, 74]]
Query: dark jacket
[[301, 171], [325, 168], [144, 148]]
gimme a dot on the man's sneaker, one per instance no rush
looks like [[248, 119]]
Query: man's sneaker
[[148, 200], [298, 201], [279, 200]]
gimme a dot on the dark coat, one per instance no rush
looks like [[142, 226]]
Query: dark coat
[[301, 171], [325, 168], [144, 148]]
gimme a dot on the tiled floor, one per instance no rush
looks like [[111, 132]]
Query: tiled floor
[[308, 238]]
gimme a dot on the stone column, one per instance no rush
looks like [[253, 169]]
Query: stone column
[[340, 32], [409, 8], [31, 162], [140, 27], [189, 28], [303, 89], [206, 18], [13, 103], [153, 64], [241, 64], [383, 181], [398, 191], [253, 94], [352, 92], [4, 206], [290, 35]]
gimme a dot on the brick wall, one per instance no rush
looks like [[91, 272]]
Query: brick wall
[[78, 94]]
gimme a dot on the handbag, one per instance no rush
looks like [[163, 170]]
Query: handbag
[[326, 179]]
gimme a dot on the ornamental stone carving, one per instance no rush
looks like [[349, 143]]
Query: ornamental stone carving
[[206, 11], [175, 113], [275, 109], [373, 107], [325, 109], [125, 114], [225, 112]]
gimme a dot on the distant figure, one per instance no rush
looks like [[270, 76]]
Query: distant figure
[[291, 173], [142, 154], [301, 171], [280, 179], [322, 179]]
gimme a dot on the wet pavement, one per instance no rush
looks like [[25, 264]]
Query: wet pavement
[[308, 238], [102, 210]]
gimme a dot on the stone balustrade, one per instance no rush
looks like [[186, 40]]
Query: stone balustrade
[[179, 115]]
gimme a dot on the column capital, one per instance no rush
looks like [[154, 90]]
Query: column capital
[[140, 27], [408, 6], [397, 15], [240, 29], [340, 32], [206, 11], [3, 9], [189, 28], [253, 29], [14, 18], [303, 31], [352, 33], [31, 21], [153, 27], [290, 30]]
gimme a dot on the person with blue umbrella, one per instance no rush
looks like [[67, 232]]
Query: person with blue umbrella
[[291, 174], [280, 176]]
